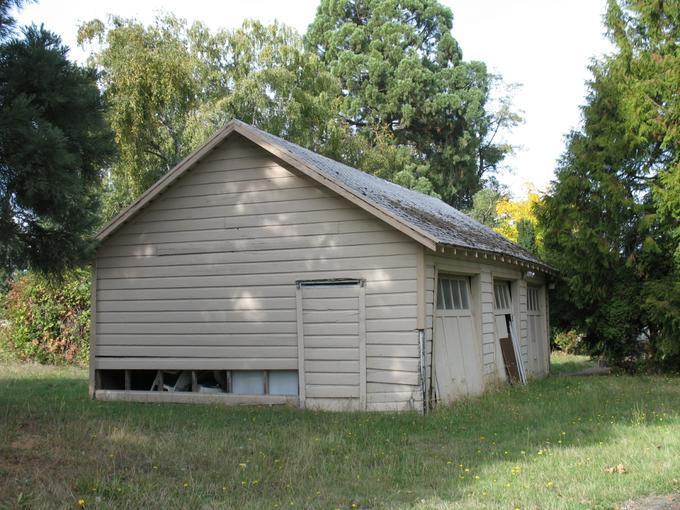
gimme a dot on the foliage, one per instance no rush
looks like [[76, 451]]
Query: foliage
[[401, 70], [53, 144], [170, 85], [568, 342], [484, 206], [517, 220], [611, 220], [49, 319], [7, 22], [155, 79]]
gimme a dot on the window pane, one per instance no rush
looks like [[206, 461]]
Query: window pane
[[497, 293], [283, 382], [446, 289], [463, 286], [440, 295], [456, 294], [247, 382]]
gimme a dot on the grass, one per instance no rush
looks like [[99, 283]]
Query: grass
[[545, 446]]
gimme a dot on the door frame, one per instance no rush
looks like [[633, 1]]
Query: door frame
[[334, 282]]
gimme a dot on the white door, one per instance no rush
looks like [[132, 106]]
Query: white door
[[457, 367], [332, 345], [538, 338], [502, 310], [503, 307]]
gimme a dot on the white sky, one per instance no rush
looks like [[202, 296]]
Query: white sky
[[545, 45]]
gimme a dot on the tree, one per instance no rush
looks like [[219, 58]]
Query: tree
[[53, 144], [155, 79], [401, 71], [484, 206], [611, 219], [517, 220], [170, 85]]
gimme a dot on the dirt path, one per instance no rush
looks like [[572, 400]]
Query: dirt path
[[669, 502]]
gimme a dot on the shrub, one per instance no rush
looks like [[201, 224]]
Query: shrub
[[569, 342], [48, 320]]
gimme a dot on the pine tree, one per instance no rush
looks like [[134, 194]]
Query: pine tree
[[53, 145]]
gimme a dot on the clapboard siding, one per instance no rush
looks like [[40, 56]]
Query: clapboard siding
[[204, 278]]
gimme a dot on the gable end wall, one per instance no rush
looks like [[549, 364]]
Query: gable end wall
[[204, 276]]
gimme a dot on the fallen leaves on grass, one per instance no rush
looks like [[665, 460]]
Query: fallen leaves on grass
[[619, 469]]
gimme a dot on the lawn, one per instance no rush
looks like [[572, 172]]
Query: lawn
[[549, 445]]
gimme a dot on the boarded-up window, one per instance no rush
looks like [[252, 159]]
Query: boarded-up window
[[452, 293]]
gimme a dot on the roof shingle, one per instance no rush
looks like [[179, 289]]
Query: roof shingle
[[445, 224]]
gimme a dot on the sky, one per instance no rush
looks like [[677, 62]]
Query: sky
[[543, 45]]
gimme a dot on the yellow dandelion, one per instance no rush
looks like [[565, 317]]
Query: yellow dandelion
[[81, 503]]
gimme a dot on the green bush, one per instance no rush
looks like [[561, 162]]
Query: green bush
[[48, 320], [569, 342]]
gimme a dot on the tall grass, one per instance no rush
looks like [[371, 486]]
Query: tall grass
[[548, 445]]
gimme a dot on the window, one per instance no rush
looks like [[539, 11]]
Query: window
[[502, 295], [452, 293], [533, 304], [238, 382], [247, 382]]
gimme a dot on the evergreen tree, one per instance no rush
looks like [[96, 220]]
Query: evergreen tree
[[53, 144], [611, 220], [401, 70]]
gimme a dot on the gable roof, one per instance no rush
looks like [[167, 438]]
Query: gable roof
[[426, 219]]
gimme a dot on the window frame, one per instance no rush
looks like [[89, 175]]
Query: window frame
[[443, 311]]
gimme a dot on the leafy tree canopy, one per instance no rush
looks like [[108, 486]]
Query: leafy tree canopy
[[611, 220], [401, 71], [517, 220], [53, 144], [170, 85]]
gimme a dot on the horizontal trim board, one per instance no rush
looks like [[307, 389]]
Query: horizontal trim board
[[198, 304], [330, 354], [398, 279], [284, 243], [340, 226], [331, 378], [172, 317], [367, 262], [331, 366], [194, 351], [195, 363], [200, 327], [189, 189], [193, 398], [248, 199], [334, 391], [199, 340], [248, 220], [284, 206]]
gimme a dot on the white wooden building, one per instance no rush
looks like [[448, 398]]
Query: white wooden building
[[257, 271]]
